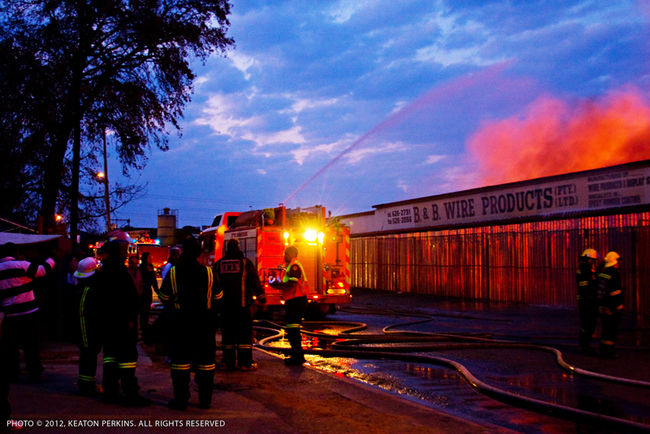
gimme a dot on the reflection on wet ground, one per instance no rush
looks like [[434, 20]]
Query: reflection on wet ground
[[522, 371]]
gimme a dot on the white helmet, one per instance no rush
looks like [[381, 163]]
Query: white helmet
[[86, 267]]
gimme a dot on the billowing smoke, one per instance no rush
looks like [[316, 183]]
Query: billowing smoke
[[555, 137]]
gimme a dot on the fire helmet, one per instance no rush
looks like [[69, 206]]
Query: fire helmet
[[611, 259], [86, 267], [119, 236], [590, 253]]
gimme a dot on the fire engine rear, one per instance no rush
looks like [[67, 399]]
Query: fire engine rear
[[323, 250]]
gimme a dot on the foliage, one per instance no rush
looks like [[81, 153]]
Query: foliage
[[94, 65]]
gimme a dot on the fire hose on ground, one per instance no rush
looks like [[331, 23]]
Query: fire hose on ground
[[404, 353]]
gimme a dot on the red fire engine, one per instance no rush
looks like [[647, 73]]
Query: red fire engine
[[323, 246]]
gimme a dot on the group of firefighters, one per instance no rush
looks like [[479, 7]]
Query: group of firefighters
[[193, 295], [600, 294]]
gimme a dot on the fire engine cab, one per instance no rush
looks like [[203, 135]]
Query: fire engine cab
[[323, 250]]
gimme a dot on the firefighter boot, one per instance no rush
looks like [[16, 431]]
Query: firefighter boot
[[205, 380], [181, 384], [229, 357], [297, 357], [132, 397], [607, 350], [110, 382]]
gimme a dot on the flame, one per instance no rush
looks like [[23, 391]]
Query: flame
[[555, 136]]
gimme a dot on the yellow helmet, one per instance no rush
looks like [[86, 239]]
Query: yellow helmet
[[611, 259], [590, 253]]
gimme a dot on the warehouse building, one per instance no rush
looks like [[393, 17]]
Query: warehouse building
[[516, 242]]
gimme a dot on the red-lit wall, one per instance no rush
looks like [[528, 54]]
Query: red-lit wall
[[532, 263]]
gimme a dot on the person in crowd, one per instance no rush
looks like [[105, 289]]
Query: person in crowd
[[610, 295], [174, 255], [5, 405], [21, 324], [89, 326], [149, 286], [133, 265], [294, 289], [237, 278], [68, 294], [188, 292], [119, 313], [587, 298]]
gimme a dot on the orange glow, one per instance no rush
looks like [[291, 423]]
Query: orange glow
[[555, 137]]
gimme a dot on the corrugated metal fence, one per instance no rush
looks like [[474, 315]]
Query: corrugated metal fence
[[532, 263]]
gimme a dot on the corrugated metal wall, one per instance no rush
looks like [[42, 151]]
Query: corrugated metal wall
[[532, 263]]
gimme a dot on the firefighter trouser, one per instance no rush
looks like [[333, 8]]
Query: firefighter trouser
[[120, 359], [237, 336], [89, 348], [88, 367], [5, 408], [22, 332], [192, 347], [588, 310], [610, 322], [295, 310]]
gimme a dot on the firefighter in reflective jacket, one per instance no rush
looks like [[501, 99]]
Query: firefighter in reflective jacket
[[119, 313], [188, 293], [294, 291], [237, 278], [89, 342], [610, 295], [587, 297]]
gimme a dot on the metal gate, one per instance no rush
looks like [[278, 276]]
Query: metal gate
[[532, 263]]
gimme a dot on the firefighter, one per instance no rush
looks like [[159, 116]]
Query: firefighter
[[237, 277], [187, 292], [89, 337], [119, 313], [610, 295], [587, 298], [294, 292]]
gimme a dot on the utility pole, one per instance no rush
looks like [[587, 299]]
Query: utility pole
[[106, 198]]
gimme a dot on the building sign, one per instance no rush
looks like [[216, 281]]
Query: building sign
[[250, 233], [586, 191]]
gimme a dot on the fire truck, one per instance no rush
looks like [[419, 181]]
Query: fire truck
[[323, 250], [212, 238]]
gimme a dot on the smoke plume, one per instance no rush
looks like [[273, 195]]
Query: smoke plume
[[555, 137]]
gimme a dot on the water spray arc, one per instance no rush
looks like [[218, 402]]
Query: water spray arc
[[446, 90]]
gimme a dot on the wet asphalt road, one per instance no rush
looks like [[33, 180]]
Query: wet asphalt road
[[529, 372]]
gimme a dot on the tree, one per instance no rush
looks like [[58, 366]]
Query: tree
[[92, 65]]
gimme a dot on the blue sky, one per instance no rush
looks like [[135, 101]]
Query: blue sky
[[403, 86]]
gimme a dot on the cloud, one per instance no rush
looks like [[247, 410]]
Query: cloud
[[242, 62], [225, 115], [305, 152], [433, 159], [357, 155], [345, 9], [290, 136], [458, 40], [220, 114]]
